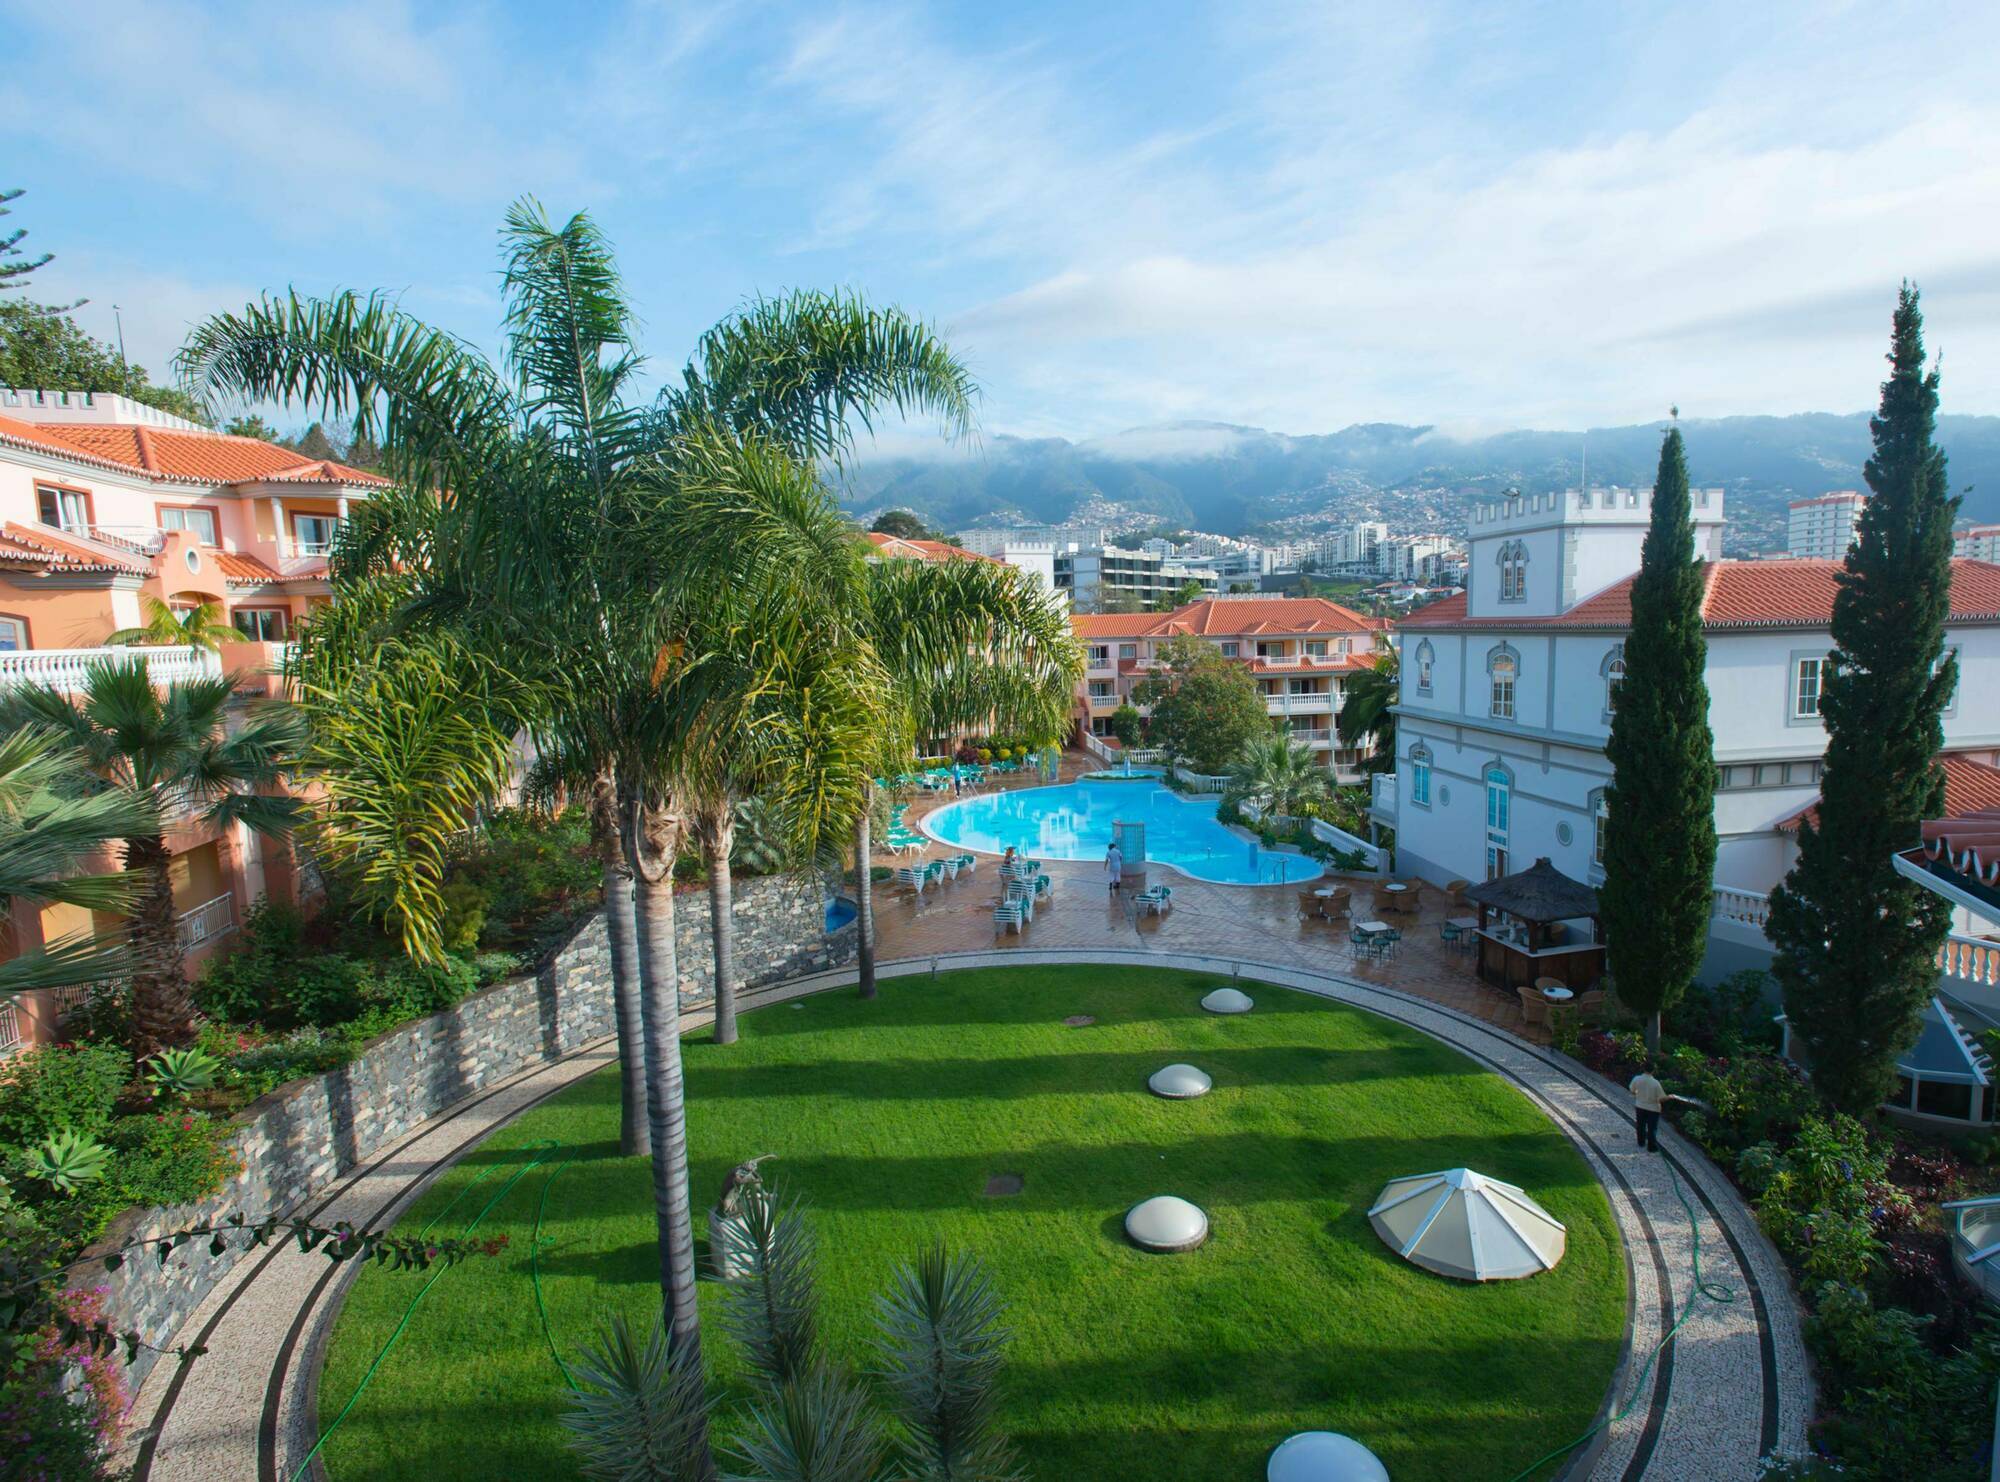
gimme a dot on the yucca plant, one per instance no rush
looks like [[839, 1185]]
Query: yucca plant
[[942, 1347], [817, 1427], [637, 1412], [69, 1160], [182, 1072], [772, 1309]]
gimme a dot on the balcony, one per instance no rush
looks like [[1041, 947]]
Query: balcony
[[207, 922], [1382, 797], [64, 669]]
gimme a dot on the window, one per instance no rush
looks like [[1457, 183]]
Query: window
[[1805, 688], [1128, 650], [260, 624], [1502, 671], [13, 635], [1513, 571], [1499, 806], [1231, 650], [1270, 650], [64, 509], [1426, 658], [1420, 776], [1100, 655], [1315, 648], [315, 533], [1600, 820], [201, 522], [1614, 676], [1343, 647]]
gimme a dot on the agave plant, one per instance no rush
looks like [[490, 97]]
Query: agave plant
[[69, 1160], [183, 1072]]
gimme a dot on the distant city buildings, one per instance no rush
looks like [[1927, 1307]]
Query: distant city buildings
[[1822, 529], [1977, 543]]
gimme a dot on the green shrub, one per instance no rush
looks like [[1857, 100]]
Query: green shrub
[[1817, 1202], [464, 917], [238, 986], [325, 990], [1752, 1097], [539, 875], [1756, 1166], [171, 1157], [261, 1069], [497, 967], [60, 1088], [47, 1431]]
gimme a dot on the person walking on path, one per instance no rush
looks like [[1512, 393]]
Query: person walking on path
[[1114, 867], [1648, 1095]]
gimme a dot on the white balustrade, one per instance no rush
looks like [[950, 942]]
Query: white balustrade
[[1382, 794], [1096, 747], [207, 921], [65, 669], [1744, 906], [1201, 782], [1969, 962]]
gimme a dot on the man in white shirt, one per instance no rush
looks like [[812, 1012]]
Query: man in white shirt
[[1648, 1096]]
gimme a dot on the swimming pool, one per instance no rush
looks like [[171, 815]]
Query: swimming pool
[[1074, 822]]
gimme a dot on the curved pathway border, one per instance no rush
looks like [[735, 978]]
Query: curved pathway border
[[1732, 1387]]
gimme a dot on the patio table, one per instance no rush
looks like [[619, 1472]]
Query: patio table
[[1371, 927], [1557, 995], [1465, 923]]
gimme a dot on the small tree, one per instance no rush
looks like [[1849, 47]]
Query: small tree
[[1659, 852], [1367, 716], [1857, 943], [1125, 724], [1279, 775], [904, 525], [1205, 709]]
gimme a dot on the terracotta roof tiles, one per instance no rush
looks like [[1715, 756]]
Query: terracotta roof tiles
[[61, 553], [896, 548], [1971, 790]]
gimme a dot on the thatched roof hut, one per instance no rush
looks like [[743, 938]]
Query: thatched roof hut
[[1540, 893]]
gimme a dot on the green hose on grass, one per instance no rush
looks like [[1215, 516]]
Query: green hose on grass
[[1715, 1291], [410, 1311]]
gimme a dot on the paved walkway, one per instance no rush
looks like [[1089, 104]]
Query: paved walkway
[[1733, 1386]]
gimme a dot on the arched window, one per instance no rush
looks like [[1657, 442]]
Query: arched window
[[1513, 571], [1613, 670], [1420, 775], [1426, 660], [1600, 821], [1499, 811], [1502, 669]]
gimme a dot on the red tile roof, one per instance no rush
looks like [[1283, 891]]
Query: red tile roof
[[1229, 617], [195, 457], [1740, 594], [1087, 625], [896, 548], [60, 553], [1971, 788], [243, 570]]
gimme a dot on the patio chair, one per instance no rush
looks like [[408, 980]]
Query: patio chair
[[1006, 917], [1385, 942], [1309, 906], [1589, 1006], [934, 872], [1337, 905], [968, 864], [1045, 888], [1448, 934], [1534, 1007], [1358, 944], [1455, 892], [909, 878], [1155, 900]]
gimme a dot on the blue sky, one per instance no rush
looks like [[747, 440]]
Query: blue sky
[[1295, 216]]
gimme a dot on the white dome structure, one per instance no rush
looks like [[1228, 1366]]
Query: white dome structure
[[1465, 1225], [1324, 1456], [1166, 1224], [1228, 1001], [1179, 1082]]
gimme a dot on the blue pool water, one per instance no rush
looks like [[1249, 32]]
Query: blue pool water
[[839, 911], [1074, 822]]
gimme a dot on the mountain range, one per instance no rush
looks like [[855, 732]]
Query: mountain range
[[1233, 480]]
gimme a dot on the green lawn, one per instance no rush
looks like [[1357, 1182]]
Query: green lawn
[[890, 1117]]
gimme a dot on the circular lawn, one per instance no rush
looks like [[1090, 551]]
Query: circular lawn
[[891, 1117]]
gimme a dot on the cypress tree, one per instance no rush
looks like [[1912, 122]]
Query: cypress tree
[[1659, 845], [1857, 943]]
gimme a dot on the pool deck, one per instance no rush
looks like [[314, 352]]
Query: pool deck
[[1261, 923]]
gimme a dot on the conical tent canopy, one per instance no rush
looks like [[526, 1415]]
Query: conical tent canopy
[[1464, 1224]]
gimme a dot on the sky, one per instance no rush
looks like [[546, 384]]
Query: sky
[[1293, 216]]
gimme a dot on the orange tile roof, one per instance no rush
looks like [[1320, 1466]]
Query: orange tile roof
[[1740, 594], [1114, 624], [1224, 616], [205, 457], [1971, 789], [896, 548], [63, 554], [41, 440], [243, 570]]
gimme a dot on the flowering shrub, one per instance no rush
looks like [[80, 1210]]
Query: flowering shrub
[[170, 1157], [60, 1088], [108, 1397]]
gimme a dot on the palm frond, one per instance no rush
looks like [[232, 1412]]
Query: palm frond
[[201, 626], [635, 1412], [942, 1348]]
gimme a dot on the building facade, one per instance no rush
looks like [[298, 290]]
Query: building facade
[[1977, 543], [1822, 529], [1109, 577], [1303, 652], [104, 504]]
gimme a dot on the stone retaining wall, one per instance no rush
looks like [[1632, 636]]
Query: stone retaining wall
[[301, 1139]]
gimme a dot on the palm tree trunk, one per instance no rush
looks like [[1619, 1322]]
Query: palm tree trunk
[[162, 1007], [864, 897], [718, 837], [652, 840], [621, 934]]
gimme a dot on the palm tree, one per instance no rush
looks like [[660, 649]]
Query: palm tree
[[560, 547], [56, 821], [177, 754], [1279, 775], [201, 626], [1366, 715]]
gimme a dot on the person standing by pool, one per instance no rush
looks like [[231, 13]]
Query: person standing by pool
[[1114, 866]]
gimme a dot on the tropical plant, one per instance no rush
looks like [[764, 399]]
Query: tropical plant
[[56, 820], [1857, 942], [200, 626], [942, 1347], [1659, 849], [1280, 775], [1367, 715], [179, 753], [637, 1412], [182, 1072], [771, 1306], [69, 1159]]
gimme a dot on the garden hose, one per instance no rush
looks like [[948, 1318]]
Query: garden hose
[[410, 1311], [1715, 1291], [535, 1268]]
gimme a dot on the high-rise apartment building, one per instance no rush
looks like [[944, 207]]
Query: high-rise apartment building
[[1822, 529]]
